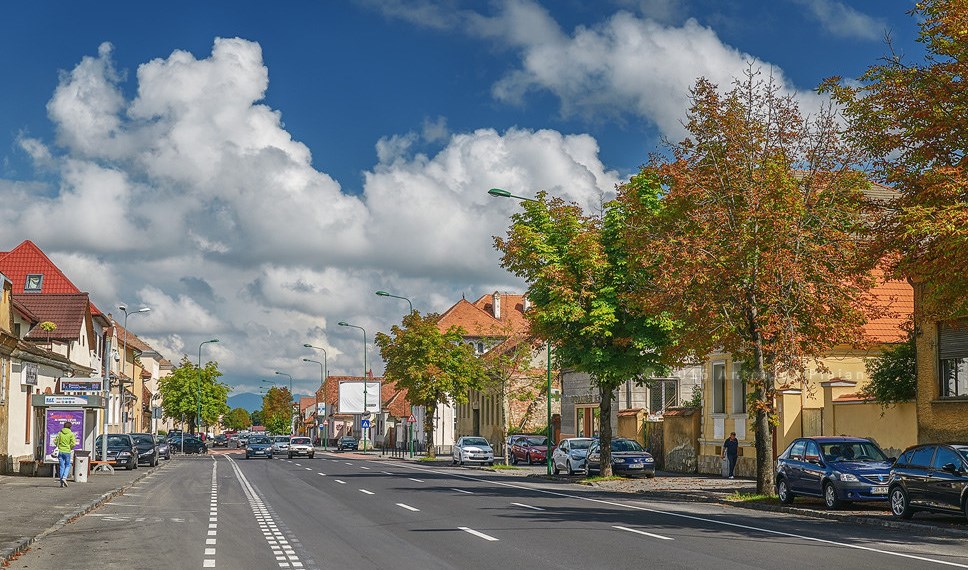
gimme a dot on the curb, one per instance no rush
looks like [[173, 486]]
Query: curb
[[8, 554]]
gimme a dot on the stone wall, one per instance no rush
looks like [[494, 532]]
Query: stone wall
[[680, 439]]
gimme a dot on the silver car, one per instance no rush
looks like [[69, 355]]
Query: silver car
[[571, 454], [473, 450], [299, 445], [280, 444]]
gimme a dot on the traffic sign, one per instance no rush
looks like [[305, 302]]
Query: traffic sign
[[365, 424], [411, 420]]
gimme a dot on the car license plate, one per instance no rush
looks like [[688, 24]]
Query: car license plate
[[879, 490], [635, 466]]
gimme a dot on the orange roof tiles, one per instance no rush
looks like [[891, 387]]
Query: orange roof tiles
[[478, 320], [28, 259], [897, 299], [67, 311]]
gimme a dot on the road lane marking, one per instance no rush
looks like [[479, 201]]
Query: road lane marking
[[322, 474], [340, 481], [408, 507], [386, 472], [416, 480], [364, 491], [637, 531], [307, 468], [533, 508], [478, 533], [361, 467], [209, 560], [348, 462], [298, 464], [462, 491], [691, 517]]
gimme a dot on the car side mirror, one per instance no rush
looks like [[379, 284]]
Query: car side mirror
[[950, 468]]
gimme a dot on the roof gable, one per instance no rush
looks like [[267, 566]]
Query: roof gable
[[28, 259], [67, 311]]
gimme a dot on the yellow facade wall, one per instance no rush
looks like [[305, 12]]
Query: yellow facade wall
[[893, 429]]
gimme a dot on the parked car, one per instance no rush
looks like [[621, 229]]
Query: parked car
[[570, 454], [259, 446], [220, 441], [473, 449], [147, 448], [280, 444], [837, 469], [347, 442], [164, 452], [186, 443], [930, 477], [122, 451], [529, 448], [301, 446], [629, 458]]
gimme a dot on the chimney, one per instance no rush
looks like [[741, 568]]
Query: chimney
[[496, 305], [524, 304]]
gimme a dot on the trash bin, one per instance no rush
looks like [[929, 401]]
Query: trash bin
[[82, 464]]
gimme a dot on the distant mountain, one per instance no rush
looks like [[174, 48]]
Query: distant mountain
[[249, 401]]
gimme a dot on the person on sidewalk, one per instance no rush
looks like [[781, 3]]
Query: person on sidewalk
[[731, 451], [64, 441]]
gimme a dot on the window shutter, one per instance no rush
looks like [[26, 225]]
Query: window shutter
[[953, 339]]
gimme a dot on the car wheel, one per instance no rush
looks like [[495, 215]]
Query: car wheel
[[514, 459], [830, 497], [554, 468], [290, 456], [964, 508], [527, 458], [587, 471], [570, 467], [900, 505], [311, 455], [783, 492]]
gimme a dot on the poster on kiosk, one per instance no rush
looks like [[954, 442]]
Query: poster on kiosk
[[54, 422]]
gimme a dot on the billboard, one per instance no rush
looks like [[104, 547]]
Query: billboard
[[54, 421], [351, 397]]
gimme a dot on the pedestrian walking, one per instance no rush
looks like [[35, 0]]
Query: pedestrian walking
[[731, 452], [64, 441]]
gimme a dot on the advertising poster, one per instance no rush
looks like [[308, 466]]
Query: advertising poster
[[54, 421]]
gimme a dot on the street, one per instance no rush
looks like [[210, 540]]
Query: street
[[351, 511]]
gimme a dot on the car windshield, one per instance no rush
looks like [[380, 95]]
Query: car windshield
[[851, 451], [537, 440], [347, 438], [475, 441], [300, 440], [581, 443], [257, 439], [626, 445], [963, 451], [282, 438], [114, 440], [145, 439]]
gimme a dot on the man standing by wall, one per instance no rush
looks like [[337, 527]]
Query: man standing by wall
[[64, 441]]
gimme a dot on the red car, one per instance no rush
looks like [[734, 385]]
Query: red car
[[529, 448]]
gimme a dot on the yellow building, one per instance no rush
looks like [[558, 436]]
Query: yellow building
[[825, 403]]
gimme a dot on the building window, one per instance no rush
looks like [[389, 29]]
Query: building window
[[719, 387], [662, 395], [739, 389], [33, 283], [953, 358]]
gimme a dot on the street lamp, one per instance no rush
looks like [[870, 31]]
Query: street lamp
[[322, 383], [290, 397], [499, 193], [365, 411], [409, 425], [124, 352], [198, 417]]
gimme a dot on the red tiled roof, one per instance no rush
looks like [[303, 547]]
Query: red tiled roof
[[67, 311], [512, 310], [28, 259], [305, 402], [855, 397], [478, 320], [897, 299]]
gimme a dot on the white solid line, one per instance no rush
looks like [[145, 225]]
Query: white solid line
[[533, 508], [408, 507], [462, 491], [477, 534], [636, 531], [415, 480], [340, 481], [365, 491]]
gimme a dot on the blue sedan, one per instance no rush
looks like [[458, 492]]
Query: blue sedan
[[837, 469], [629, 458], [258, 446]]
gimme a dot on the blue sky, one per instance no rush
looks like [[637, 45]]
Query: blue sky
[[255, 171]]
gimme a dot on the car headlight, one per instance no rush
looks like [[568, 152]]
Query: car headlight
[[618, 460], [124, 453], [848, 477], [249, 449], [648, 460]]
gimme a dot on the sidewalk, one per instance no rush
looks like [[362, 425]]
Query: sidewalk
[[32, 507]]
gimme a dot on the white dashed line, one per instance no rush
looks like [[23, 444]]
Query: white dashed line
[[462, 491], [361, 467], [408, 507], [348, 463], [307, 468], [478, 533], [416, 480], [642, 532], [365, 492], [321, 474], [209, 560], [340, 481], [533, 508], [386, 472]]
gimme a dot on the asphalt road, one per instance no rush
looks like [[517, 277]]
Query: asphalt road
[[347, 511]]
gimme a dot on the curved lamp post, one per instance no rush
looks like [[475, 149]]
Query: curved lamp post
[[409, 425], [499, 193], [124, 353], [198, 417], [322, 383], [365, 412], [385, 294], [290, 397]]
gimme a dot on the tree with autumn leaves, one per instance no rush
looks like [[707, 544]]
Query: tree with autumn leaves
[[757, 249], [912, 120], [277, 410]]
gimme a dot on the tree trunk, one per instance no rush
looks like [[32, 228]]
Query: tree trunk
[[605, 430], [506, 410], [431, 411], [763, 392]]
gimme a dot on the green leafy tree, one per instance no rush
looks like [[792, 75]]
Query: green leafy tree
[[757, 249], [912, 119], [277, 410], [237, 419], [580, 286], [433, 365], [255, 418], [182, 388], [893, 375]]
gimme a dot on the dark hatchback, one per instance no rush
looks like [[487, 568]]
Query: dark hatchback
[[122, 451], [629, 458], [258, 446], [147, 448], [930, 477], [347, 442], [186, 444], [837, 469]]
